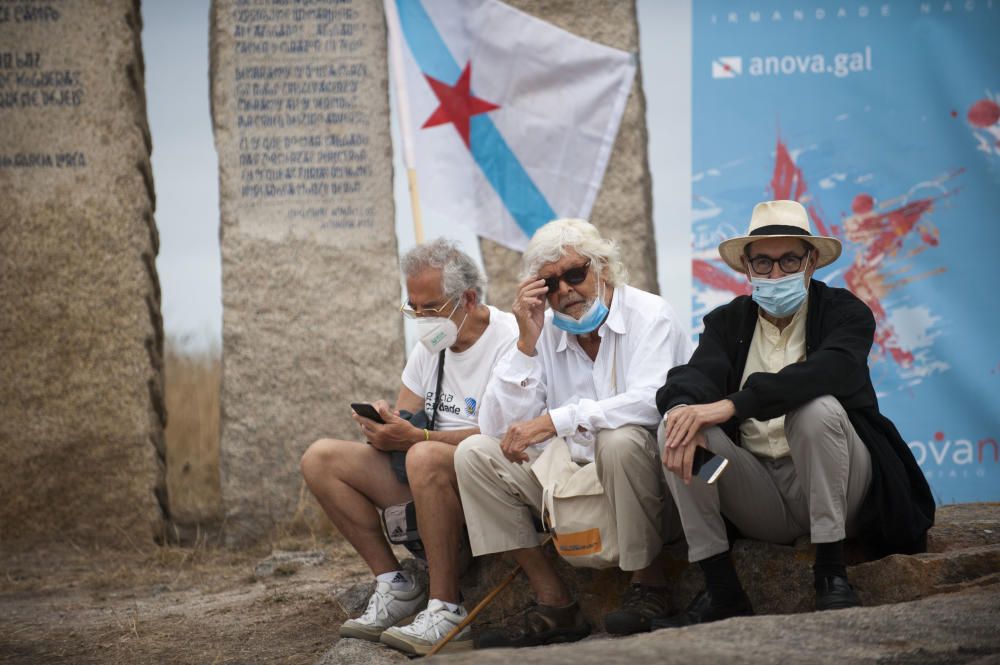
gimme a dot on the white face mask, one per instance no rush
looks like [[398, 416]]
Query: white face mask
[[437, 333]]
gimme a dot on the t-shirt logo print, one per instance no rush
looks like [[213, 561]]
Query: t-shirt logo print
[[470, 406]]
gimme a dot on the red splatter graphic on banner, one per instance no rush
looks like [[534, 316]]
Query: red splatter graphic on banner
[[984, 113], [717, 278], [876, 238], [984, 120], [880, 240]]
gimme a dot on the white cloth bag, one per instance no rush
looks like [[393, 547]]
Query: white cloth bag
[[575, 509]]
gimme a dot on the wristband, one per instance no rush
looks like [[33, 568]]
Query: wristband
[[427, 435]]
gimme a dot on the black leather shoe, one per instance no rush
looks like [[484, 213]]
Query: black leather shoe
[[703, 609], [834, 593]]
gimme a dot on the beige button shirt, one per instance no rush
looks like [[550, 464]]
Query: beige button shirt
[[770, 351]]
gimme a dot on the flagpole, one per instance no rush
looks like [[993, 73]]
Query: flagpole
[[403, 112], [418, 223]]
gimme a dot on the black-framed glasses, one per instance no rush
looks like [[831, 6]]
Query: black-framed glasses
[[411, 312], [789, 263], [573, 276]]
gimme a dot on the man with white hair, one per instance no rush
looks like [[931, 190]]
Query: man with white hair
[[779, 386], [460, 341], [587, 371]]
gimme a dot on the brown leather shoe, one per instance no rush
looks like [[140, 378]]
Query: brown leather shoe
[[640, 605], [538, 624]]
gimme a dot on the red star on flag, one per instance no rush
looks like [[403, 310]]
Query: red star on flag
[[457, 104]]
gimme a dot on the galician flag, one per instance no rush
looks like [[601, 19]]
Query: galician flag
[[508, 120]]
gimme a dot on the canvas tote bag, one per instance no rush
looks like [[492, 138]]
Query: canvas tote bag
[[575, 509]]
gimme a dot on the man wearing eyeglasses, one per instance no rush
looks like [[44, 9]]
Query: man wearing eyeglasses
[[779, 386], [586, 370], [399, 462]]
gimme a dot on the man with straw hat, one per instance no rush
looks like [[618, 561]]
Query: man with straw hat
[[779, 386]]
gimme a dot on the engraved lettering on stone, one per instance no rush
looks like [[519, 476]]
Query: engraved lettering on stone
[[27, 82], [303, 135]]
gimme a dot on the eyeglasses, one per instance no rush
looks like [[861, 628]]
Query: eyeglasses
[[788, 263], [573, 276], [417, 312]]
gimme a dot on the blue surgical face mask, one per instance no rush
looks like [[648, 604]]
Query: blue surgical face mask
[[780, 297], [587, 323]]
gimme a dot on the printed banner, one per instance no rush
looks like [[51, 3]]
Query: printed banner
[[513, 118], [882, 119]]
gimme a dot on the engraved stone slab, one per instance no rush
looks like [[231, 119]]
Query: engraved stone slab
[[624, 207], [81, 409], [310, 271]]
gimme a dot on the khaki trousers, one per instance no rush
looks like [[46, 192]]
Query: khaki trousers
[[816, 490], [499, 497]]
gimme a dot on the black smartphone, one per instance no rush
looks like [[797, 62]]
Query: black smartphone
[[707, 465], [368, 411]]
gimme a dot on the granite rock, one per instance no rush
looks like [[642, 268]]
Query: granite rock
[[946, 629], [309, 257], [281, 562], [778, 578], [361, 652], [81, 339]]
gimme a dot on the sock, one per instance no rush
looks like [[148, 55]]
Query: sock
[[829, 560], [398, 580], [720, 577], [453, 608]]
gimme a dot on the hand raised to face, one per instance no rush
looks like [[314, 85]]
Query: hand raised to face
[[529, 310]]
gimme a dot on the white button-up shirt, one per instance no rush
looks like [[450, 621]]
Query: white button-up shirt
[[641, 340]]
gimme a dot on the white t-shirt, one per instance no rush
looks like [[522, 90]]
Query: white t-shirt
[[465, 374]]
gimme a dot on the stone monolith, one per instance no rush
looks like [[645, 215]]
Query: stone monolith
[[81, 406], [309, 256], [624, 206]]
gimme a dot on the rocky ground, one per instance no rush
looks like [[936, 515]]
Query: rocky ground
[[173, 605], [284, 602]]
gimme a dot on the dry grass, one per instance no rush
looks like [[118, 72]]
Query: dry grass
[[192, 434]]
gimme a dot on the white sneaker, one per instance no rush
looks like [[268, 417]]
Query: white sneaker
[[427, 630], [386, 608]]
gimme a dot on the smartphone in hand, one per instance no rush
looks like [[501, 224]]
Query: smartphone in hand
[[368, 411], [707, 465]]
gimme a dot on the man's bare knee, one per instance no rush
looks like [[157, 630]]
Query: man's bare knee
[[320, 458], [429, 461]]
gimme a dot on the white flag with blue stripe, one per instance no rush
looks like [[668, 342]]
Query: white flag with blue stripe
[[513, 119]]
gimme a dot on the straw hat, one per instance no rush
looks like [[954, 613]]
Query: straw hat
[[779, 219]]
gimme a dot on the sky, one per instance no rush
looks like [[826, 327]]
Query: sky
[[185, 165]]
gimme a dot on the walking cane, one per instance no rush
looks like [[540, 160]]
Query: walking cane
[[480, 607], [475, 611]]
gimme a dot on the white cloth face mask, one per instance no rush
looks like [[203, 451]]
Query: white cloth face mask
[[437, 333]]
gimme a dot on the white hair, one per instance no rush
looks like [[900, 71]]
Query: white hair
[[550, 242], [459, 272]]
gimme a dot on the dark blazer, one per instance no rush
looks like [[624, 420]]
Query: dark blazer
[[899, 508]]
